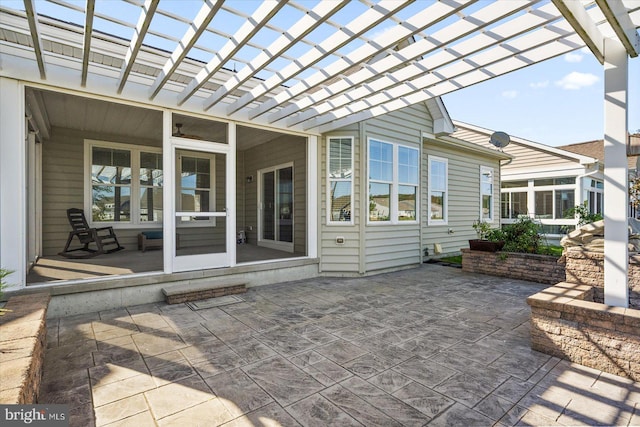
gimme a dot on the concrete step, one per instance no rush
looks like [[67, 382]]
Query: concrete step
[[178, 294]]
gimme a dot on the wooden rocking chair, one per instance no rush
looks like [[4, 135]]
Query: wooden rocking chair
[[104, 238]]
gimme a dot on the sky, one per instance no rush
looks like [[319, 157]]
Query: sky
[[556, 102]]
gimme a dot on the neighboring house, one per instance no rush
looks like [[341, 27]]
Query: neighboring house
[[596, 149], [544, 182]]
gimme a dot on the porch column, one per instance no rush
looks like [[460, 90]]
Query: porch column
[[13, 208], [616, 196], [313, 207]]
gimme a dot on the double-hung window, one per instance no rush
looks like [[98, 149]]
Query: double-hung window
[[486, 193], [340, 161], [438, 190], [125, 183], [393, 182]]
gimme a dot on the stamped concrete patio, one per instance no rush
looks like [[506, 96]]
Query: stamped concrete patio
[[427, 346]]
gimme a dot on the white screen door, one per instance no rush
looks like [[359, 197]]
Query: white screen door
[[201, 199]]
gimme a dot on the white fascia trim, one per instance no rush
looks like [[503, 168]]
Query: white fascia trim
[[450, 141], [442, 123], [584, 160]]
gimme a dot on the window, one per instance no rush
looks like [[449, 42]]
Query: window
[[438, 183], [565, 200], [595, 196], [393, 191], [407, 183], [114, 195], [340, 169], [486, 193], [514, 204], [196, 185]]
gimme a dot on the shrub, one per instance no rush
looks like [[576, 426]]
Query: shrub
[[521, 236], [584, 216], [3, 284]]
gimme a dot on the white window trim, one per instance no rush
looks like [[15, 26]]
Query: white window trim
[[212, 185], [491, 217], [444, 221], [135, 150], [393, 196], [329, 180]]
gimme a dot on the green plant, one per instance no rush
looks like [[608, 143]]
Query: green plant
[[503, 256], [483, 229], [522, 236], [583, 214]]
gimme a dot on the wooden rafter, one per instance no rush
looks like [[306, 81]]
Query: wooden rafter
[[32, 16], [396, 69], [146, 15], [363, 23], [429, 16], [257, 21], [86, 46], [197, 27], [298, 30]]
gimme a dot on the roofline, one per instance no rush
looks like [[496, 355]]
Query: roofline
[[442, 123], [584, 160], [470, 146]]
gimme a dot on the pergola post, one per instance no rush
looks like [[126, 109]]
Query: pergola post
[[616, 196]]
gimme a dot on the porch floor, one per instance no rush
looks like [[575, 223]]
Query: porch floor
[[56, 267], [431, 345]]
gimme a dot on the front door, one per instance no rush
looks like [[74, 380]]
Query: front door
[[201, 200], [276, 207]]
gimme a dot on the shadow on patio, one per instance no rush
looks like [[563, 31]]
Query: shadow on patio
[[431, 345]]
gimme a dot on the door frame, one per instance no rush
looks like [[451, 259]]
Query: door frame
[[275, 244], [171, 144]]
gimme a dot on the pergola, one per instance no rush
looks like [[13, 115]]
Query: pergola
[[317, 66]]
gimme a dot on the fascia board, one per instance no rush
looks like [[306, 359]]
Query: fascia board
[[449, 141], [583, 160]]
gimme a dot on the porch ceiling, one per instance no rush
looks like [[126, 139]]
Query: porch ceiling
[[296, 65]]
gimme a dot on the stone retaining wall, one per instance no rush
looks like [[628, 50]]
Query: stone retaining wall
[[587, 268], [23, 336], [566, 323], [531, 267]]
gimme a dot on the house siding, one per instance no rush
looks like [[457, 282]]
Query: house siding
[[371, 247], [525, 158], [463, 199]]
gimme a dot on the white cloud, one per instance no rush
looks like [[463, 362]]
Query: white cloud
[[510, 94], [576, 80], [585, 50], [573, 57], [539, 85]]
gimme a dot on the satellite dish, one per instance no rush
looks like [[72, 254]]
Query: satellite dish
[[500, 139]]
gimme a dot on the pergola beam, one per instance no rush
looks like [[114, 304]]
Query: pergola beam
[[577, 17], [32, 17], [459, 76], [360, 25], [86, 46], [301, 28], [196, 28], [429, 16], [146, 15], [259, 18], [619, 19], [427, 66]]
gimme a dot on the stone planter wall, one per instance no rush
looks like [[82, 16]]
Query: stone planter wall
[[23, 336], [566, 323], [531, 267], [587, 268]]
